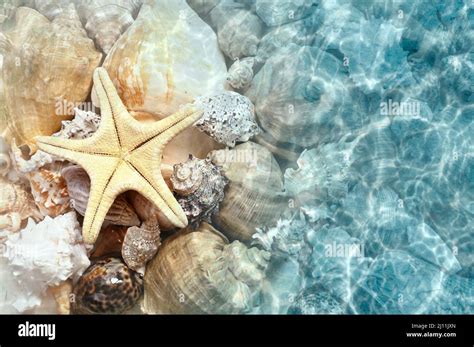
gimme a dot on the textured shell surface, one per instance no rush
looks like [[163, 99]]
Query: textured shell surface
[[36, 47], [177, 60], [109, 242], [78, 187], [200, 186], [47, 253], [146, 210], [199, 272], [5, 160], [84, 124], [253, 197], [106, 20], [241, 72], [140, 245], [107, 286], [62, 296], [228, 117]]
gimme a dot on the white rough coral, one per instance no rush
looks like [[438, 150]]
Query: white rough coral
[[43, 255]]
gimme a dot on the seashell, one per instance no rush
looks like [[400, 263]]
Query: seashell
[[238, 29], [84, 124], [51, 8], [8, 9], [5, 161], [199, 272], [36, 47], [241, 72], [140, 245], [49, 190], [47, 253], [34, 163], [107, 286], [200, 187], [109, 241], [106, 20], [177, 60], [147, 210], [62, 295], [202, 7], [16, 205], [78, 186], [274, 14], [228, 117], [317, 300], [253, 196]]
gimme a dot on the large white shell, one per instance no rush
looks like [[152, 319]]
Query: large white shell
[[45, 254], [200, 272]]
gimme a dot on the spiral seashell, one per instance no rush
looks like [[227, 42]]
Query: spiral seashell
[[228, 117], [106, 20], [36, 47], [78, 186], [200, 187], [107, 286], [240, 73], [253, 197], [140, 245], [200, 272]]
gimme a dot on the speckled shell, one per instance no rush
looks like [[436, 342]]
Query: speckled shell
[[33, 49], [200, 186], [78, 186], [253, 197], [106, 20], [107, 286], [140, 245], [228, 117], [200, 272]]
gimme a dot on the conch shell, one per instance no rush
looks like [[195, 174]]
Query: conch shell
[[140, 245], [106, 20], [78, 186], [32, 50], [254, 195], [199, 272]]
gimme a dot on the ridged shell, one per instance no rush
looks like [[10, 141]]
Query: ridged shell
[[228, 117], [34, 48], [140, 245], [200, 272], [253, 196], [106, 20], [200, 186], [78, 186], [107, 286]]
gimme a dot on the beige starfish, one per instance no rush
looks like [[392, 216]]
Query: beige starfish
[[122, 155]]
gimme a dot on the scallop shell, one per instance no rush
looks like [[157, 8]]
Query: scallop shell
[[78, 186], [228, 117], [254, 195], [200, 272], [33, 49], [107, 286], [200, 187], [106, 20], [240, 74], [140, 245]]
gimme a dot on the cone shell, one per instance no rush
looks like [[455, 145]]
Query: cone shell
[[253, 196], [200, 272], [45, 64], [78, 186]]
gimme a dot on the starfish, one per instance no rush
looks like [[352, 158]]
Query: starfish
[[123, 154]]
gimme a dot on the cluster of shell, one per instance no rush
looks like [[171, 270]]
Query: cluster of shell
[[208, 267]]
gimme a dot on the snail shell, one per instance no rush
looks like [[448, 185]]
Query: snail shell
[[252, 198], [200, 272], [107, 286], [241, 72], [78, 186], [140, 245]]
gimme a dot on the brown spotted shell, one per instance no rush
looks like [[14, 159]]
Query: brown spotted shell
[[107, 286], [140, 245], [78, 186]]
